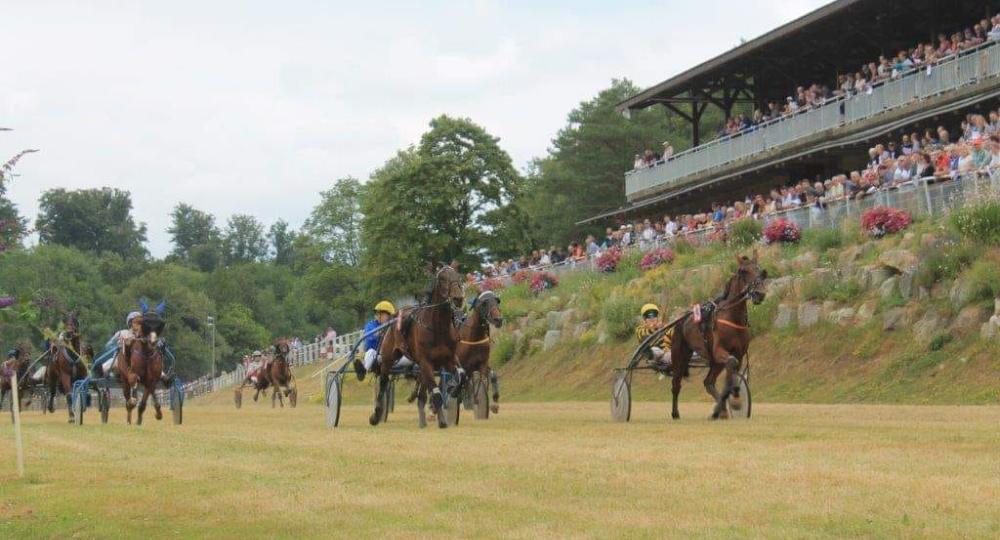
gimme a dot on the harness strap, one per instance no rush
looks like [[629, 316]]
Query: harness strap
[[731, 324], [483, 341]]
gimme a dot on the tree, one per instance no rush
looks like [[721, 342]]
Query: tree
[[244, 240], [583, 173], [92, 220], [189, 229], [282, 240], [335, 223], [441, 201]]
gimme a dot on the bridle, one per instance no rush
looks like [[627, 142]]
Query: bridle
[[484, 320]]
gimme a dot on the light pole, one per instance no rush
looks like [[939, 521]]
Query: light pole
[[211, 322]]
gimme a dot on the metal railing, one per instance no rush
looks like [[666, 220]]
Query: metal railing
[[948, 74]]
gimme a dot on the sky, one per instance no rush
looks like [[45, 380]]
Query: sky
[[257, 106]]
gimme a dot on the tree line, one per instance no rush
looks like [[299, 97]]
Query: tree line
[[453, 196]]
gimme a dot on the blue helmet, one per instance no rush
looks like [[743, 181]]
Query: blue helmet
[[12, 353]]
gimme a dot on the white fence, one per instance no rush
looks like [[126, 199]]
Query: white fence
[[951, 73]]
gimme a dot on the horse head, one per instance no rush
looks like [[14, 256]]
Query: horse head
[[448, 287], [153, 320], [281, 349], [750, 278], [487, 305], [71, 324]]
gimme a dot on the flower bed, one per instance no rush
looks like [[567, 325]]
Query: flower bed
[[782, 230], [883, 220], [608, 261], [542, 281], [521, 276], [490, 284], [656, 257]]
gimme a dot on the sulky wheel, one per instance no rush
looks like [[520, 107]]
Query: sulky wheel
[[104, 404], [452, 410], [78, 405], [481, 396], [621, 397], [741, 409], [238, 397], [177, 402], [333, 396]]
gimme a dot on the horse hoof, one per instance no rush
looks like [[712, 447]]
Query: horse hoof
[[736, 403], [495, 408], [374, 418], [159, 415], [675, 416]]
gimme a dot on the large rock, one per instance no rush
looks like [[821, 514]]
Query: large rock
[[899, 261], [826, 277], [888, 288], [991, 328], [829, 306], [968, 320], [961, 292], [930, 325], [580, 328], [996, 306], [842, 316], [786, 314], [806, 261], [866, 312], [895, 319], [556, 319], [779, 287], [552, 338], [906, 284], [808, 314], [872, 277]]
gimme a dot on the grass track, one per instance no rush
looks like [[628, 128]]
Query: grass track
[[554, 469]]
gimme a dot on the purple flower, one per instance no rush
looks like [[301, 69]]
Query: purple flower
[[6, 301]]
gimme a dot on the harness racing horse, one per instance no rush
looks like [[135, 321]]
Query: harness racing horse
[[474, 347], [9, 367], [722, 338], [66, 363], [428, 335], [279, 374], [140, 362]]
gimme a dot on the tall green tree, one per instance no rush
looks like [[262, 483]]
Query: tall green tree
[[244, 240], [190, 228], [335, 223], [282, 240], [92, 220], [583, 173]]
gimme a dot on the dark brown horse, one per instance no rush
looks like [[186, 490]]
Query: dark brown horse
[[67, 363], [279, 374], [722, 339], [140, 363], [19, 365], [474, 347], [426, 334]]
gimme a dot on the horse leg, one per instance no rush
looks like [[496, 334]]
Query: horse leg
[[383, 385], [156, 405], [731, 366], [495, 383], [52, 395], [142, 404], [421, 395], [67, 388], [710, 378]]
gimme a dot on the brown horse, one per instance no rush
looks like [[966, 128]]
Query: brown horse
[[722, 338], [428, 335], [140, 362], [474, 347], [19, 365], [67, 363], [279, 374]]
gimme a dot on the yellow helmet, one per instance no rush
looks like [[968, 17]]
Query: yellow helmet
[[386, 306], [647, 308]]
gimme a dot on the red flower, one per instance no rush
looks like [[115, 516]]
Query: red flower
[[490, 284], [883, 220], [656, 257], [782, 230], [521, 276], [608, 261], [542, 281]]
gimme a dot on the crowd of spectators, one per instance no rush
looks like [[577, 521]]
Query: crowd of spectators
[[931, 153], [862, 81]]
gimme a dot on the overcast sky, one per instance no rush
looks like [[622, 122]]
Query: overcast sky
[[255, 107]]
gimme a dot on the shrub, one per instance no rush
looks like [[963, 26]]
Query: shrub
[[744, 232], [883, 220], [619, 314], [608, 261], [683, 247], [823, 239], [542, 281], [503, 350], [521, 276], [656, 257], [984, 278], [491, 284], [979, 222], [782, 230], [945, 262]]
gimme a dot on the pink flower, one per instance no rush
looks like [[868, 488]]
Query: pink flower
[[608, 261], [782, 230], [542, 281], [883, 220], [656, 257]]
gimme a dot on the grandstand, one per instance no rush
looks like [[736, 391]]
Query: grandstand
[[826, 137]]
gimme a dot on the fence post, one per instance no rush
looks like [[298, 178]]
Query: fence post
[[16, 406]]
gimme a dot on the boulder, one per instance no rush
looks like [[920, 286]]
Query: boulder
[[996, 306], [552, 337], [930, 325], [806, 261], [554, 320], [842, 316], [829, 307], [535, 344], [991, 328], [808, 313], [518, 337], [968, 320], [779, 287], [826, 277], [872, 277], [866, 312], [906, 284], [786, 314], [894, 319], [888, 287], [899, 261], [961, 292], [580, 328], [928, 241]]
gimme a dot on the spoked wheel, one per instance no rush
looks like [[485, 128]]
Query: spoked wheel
[[333, 383], [104, 404], [481, 396], [621, 397], [452, 410], [238, 398], [744, 404], [177, 402], [79, 395], [468, 393]]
